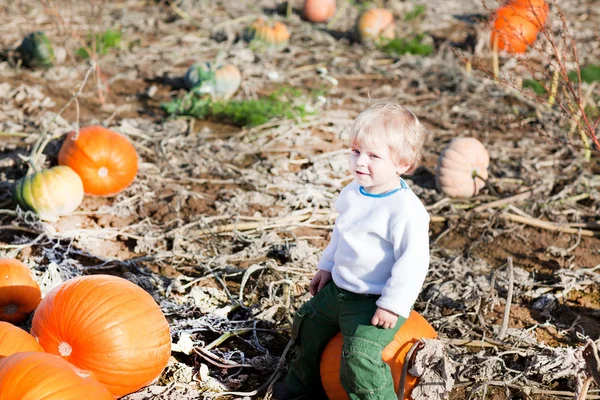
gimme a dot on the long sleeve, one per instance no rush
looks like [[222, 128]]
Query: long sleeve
[[326, 263], [410, 241]]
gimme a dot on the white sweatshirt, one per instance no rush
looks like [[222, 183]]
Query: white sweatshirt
[[380, 245]]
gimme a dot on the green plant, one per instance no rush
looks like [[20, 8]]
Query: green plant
[[534, 85], [415, 13], [589, 74], [401, 46], [251, 112], [99, 43]]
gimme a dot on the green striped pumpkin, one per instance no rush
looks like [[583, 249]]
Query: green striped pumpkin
[[50, 193], [36, 50]]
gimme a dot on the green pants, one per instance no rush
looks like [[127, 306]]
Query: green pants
[[363, 373]]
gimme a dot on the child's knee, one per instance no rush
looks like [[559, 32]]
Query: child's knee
[[305, 311], [363, 370]]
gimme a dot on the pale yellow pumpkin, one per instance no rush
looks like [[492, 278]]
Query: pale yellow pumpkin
[[462, 168], [50, 193]]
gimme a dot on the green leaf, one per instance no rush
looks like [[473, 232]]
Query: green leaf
[[104, 42], [415, 13], [589, 74], [401, 46], [251, 112], [534, 85]]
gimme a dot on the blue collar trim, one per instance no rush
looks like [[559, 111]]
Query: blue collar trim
[[403, 185]]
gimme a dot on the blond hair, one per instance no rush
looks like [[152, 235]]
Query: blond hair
[[397, 127]]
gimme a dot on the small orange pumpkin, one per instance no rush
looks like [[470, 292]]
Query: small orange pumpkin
[[513, 29], [16, 340], [536, 10], [415, 328], [273, 35], [107, 326], [20, 294], [374, 24], [459, 167], [105, 160], [42, 376], [318, 10]]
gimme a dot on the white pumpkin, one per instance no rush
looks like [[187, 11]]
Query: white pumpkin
[[462, 168]]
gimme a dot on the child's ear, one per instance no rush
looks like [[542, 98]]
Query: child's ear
[[402, 168]]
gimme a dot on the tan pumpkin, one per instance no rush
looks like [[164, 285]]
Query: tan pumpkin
[[374, 24], [43, 376], [273, 35], [107, 326], [15, 340], [415, 328], [20, 294], [318, 10], [220, 82], [462, 168]]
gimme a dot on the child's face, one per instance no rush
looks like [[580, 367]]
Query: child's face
[[372, 165]]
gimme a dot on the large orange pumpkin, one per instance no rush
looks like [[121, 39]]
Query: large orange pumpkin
[[414, 329], [536, 10], [107, 326], [20, 294], [513, 29], [16, 340], [318, 10], [42, 376], [105, 160]]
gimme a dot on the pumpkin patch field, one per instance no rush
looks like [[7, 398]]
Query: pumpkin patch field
[[169, 168]]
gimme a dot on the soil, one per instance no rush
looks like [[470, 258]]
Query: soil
[[200, 175]]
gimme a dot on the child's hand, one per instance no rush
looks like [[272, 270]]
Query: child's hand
[[318, 281], [384, 318]]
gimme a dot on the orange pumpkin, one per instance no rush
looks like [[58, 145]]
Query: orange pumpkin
[[513, 29], [20, 294], [318, 10], [107, 326], [414, 329], [16, 340], [273, 35], [374, 24], [459, 167], [42, 376], [536, 11], [105, 160]]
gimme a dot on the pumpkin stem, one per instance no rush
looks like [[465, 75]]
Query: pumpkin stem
[[64, 349], [103, 172], [10, 309], [475, 175], [46, 137]]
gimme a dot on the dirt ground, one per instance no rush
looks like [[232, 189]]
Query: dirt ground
[[224, 224]]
